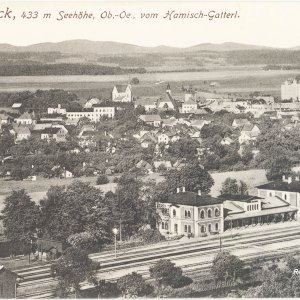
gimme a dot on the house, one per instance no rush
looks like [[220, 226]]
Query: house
[[16, 105], [226, 141], [189, 213], [67, 174], [165, 163], [49, 249], [245, 210], [53, 133], [147, 139], [287, 189], [238, 123], [153, 120], [94, 114], [5, 119], [148, 104], [249, 133], [20, 133], [198, 124], [167, 136], [166, 104], [143, 165], [290, 89], [189, 106], [26, 119], [90, 103], [169, 122], [8, 283], [122, 93], [58, 110]]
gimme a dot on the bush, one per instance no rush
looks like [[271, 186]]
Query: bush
[[102, 179], [150, 236]]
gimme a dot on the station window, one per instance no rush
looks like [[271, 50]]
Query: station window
[[202, 214], [209, 213]]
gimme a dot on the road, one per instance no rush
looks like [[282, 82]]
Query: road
[[194, 256]]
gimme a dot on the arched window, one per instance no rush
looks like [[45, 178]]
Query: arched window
[[166, 226], [285, 197], [189, 214], [209, 213], [185, 228], [217, 212], [175, 228], [202, 214], [270, 194], [174, 212], [202, 228], [217, 226], [185, 213], [189, 229], [162, 225], [209, 227]]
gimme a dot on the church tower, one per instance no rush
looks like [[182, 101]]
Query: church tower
[[168, 91]]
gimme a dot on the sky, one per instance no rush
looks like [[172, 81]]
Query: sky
[[267, 23]]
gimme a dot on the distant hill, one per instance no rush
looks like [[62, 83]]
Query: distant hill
[[100, 47]]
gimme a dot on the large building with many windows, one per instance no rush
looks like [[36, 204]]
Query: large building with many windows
[[191, 214]]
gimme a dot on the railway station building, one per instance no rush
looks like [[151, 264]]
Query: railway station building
[[241, 211], [190, 214]]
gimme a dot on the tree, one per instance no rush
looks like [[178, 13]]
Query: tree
[[226, 266], [133, 285], [6, 142], [72, 268], [278, 166], [102, 179], [184, 148], [192, 176], [232, 187], [126, 205], [134, 80], [20, 218], [166, 273], [73, 210]]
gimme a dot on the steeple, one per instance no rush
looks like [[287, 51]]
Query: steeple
[[168, 91]]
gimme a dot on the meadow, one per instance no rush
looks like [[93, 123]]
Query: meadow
[[38, 189], [231, 80]]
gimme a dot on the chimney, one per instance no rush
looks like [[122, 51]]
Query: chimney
[[290, 179], [183, 189], [283, 178], [297, 178], [199, 192], [178, 190]]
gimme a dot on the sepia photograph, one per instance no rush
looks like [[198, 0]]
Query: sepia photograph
[[149, 149]]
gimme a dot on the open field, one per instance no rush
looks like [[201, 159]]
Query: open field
[[231, 80], [38, 189]]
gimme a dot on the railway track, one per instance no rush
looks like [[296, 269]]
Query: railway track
[[40, 276]]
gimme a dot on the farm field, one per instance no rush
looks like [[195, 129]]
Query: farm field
[[230, 80], [38, 189]]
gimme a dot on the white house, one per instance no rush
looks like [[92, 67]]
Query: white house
[[189, 106], [93, 114], [148, 104], [57, 110], [121, 93], [249, 132], [26, 119], [290, 89]]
